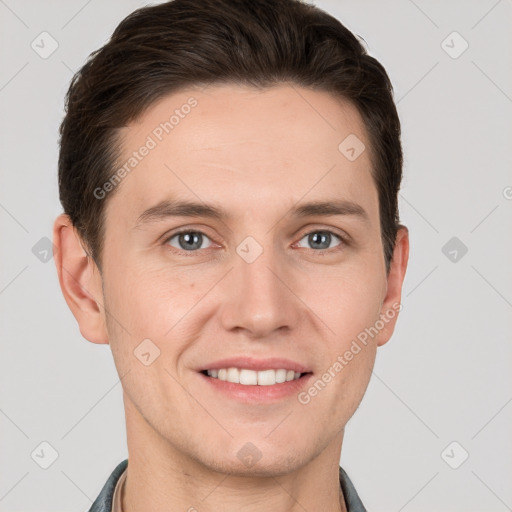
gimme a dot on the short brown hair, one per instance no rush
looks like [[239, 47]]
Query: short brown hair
[[158, 50]]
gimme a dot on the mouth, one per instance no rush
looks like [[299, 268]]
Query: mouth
[[248, 377], [252, 380]]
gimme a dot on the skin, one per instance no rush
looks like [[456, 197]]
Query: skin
[[257, 153]]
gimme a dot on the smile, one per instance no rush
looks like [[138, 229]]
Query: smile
[[253, 378]]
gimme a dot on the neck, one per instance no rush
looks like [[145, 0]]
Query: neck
[[161, 478]]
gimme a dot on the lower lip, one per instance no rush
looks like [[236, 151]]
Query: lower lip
[[266, 394]]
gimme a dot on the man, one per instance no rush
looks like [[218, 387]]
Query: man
[[229, 173]]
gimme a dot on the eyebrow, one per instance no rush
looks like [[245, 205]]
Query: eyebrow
[[168, 208]]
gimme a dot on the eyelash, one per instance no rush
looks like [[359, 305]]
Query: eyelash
[[343, 240]]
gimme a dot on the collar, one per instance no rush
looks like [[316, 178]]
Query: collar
[[104, 501]]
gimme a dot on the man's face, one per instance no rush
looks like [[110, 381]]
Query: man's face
[[263, 282]]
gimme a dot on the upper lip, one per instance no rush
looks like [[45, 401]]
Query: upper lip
[[255, 364]]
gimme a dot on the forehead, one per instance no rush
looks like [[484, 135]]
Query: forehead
[[245, 147]]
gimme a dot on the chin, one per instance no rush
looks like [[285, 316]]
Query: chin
[[249, 460]]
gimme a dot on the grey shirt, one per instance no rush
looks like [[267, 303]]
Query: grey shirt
[[103, 502]]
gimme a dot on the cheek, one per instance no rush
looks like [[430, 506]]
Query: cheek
[[149, 299], [152, 303], [347, 301], [349, 304]]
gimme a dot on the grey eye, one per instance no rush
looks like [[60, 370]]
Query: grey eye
[[320, 239], [188, 240]]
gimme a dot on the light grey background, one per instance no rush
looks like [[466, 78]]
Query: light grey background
[[445, 376]]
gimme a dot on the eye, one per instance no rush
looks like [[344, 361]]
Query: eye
[[321, 239], [191, 241], [188, 240]]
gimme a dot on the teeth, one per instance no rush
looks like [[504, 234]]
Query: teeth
[[253, 378], [266, 377], [248, 377], [280, 376], [233, 375]]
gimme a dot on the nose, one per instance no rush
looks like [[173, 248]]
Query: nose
[[260, 297]]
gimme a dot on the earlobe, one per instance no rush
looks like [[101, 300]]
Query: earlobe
[[392, 301], [80, 281]]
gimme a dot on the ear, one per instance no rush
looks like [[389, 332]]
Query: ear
[[391, 305], [80, 280]]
